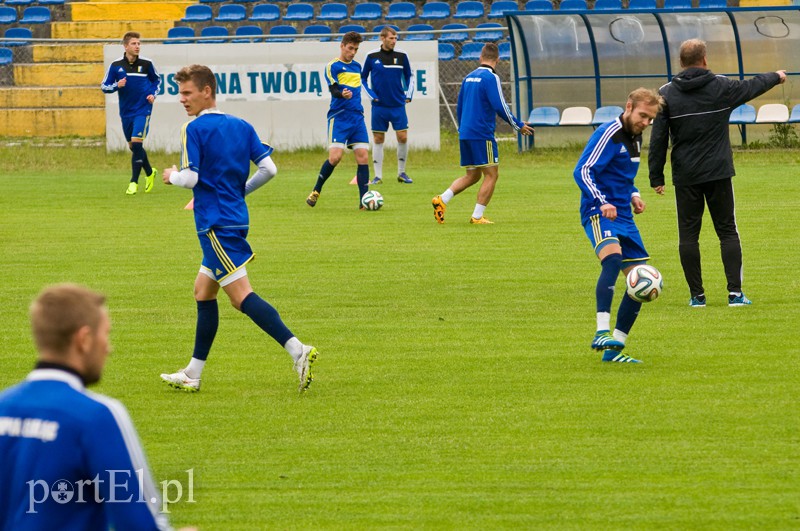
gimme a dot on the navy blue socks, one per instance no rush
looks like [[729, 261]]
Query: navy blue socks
[[266, 317], [207, 324], [324, 172], [611, 264]]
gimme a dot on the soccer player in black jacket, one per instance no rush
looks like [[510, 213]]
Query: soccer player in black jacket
[[698, 105]]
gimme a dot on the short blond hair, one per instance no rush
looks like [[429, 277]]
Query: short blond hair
[[646, 96], [59, 311], [692, 53]]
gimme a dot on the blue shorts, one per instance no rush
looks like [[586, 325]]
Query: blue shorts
[[383, 116], [477, 153], [136, 127], [347, 130], [623, 231], [224, 251]]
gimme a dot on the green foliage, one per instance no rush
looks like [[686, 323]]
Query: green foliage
[[455, 387], [784, 136]]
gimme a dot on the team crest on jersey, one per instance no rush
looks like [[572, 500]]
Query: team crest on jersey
[[139, 69]]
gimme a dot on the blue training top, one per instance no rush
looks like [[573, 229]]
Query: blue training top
[[219, 148], [142, 81], [391, 77], [480, 98], [71, 460], [607, 168], [347, 76]]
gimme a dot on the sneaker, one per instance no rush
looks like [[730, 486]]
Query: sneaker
[[481, 221], [376, 180], [303, 367], [618, 357], [179, 380], [439, 209], [132, 188], [149, 180], [698, 302], [403, 178], [738, 300], [312, 198], [604, 340]]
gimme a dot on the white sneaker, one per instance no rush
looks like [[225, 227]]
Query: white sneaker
[[303, 367], [179, 380]]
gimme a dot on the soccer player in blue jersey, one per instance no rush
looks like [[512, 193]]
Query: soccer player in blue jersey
[[390, 73], [215, 162], [479, 100], [70, 459], [346, 127], [137, 82], [609, 199]]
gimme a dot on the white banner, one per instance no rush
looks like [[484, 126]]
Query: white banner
[[280, 88]]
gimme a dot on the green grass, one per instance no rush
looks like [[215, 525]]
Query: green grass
[[455, 387]]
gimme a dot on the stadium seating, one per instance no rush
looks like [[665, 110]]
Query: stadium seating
[[500, 7], [285, 33], [352, 27], [19, 2], [772, 113], [447, 52], [231, 13], [492, 32], [265, 13], [323, 31], [378, 28], [743, 114], [300, 12], [333, 11], [8, 15], [6, 56], [505, 50], [606, 113], [21, 36], [367, 11], [179, 34], [211, 1], [214, 31], [401, 11], [576, 116], [711, 4], [572, 5], [795, 117], [249, 34], [642, 4], [544, 117], [35, 15], [607, 4], [677, 4], [419, 36], [435, 11], [51, 2], [471, 51], [539, 5], [458, 36], [198, 13], [469, 9], [245, 1]]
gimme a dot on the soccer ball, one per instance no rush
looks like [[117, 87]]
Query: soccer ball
[[644, 283], [372, 200]]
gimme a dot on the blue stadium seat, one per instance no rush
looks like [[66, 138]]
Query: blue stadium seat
[[231, 13], [35, 15], [447, 52], [401, 11], [8, 15], [6, 56], [378, 28], [539, 5], [352, 27], [265, 13], [505, 50], [469, 9], [677, 4], [299, 12], [245, 1], [214, 31], [19, 2], [323, 31], [499, 8], [211, 1], [367, 11], [198, 13], [458, 36], [179, 34], [51, 2], [419, 36], [435, 11], [286, 33], [712, 4], [333, 11], [795, 117], [606, 113], [573, 5], [22, 36], [544, 117], [645, 5], [249, 34], [471, 51], [492, 32], [607, 4], [743, 114]]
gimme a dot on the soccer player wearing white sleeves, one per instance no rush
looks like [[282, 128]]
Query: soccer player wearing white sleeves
[[215, 163]]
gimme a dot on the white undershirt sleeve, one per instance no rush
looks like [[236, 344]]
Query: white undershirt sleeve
[[266, 171], [186, 178]]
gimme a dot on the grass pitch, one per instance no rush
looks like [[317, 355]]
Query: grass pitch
[[455, 386]]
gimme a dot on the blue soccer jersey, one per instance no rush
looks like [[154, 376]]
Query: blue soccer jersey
[[227, 145], [606, 170], [142, 80], [71, 460], [479, 100], [389, 74], [346, 76]]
